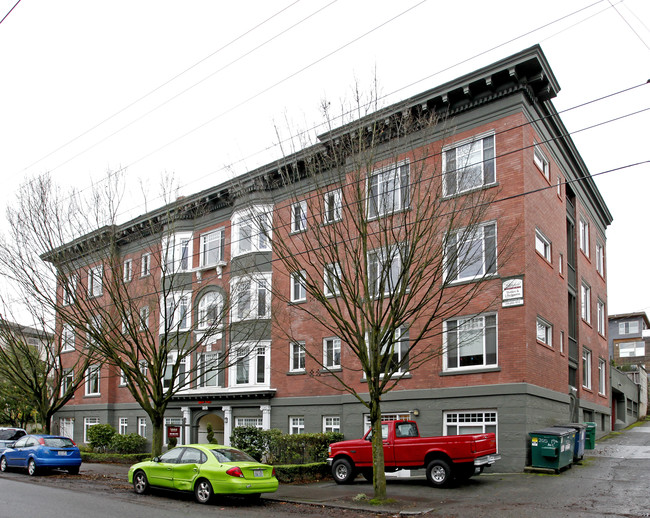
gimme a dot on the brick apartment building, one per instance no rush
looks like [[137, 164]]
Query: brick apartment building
[[541, 357]]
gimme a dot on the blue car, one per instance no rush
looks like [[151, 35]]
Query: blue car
[[36, 452]]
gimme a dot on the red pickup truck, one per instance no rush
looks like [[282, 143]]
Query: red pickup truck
[[444, 458]]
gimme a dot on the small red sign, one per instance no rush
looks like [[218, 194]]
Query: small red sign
[[173, 432]]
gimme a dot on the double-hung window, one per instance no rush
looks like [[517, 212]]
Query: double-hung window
[[388, 190], [385, 270], [584, 236], [600, 259], [542, 245], [298, 286], [299, 216], [586, 368], [123, 425], [95, 287], [601, 317], [249, 365], [67, 338], [332, 353], [251, 230], [144, 318], [127, 270], [252, 297], [602, 380], [541, 161], [395, 354], [212, 246], [67, 380], [469, 165], [471, 253], [177, 252], [142, 427], [469, 422], [544, 332], [296, 425], [470, 343], [181, 379], [145, 265], [93, 380], [297, 357], [176, 315], [209, 363], [210, 310], [69, 287], [332, 279], [585, 302], [332, 206], [88, 422], [331, 424]]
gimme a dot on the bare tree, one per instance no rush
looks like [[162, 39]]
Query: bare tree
[[138, 325], [377, 239]]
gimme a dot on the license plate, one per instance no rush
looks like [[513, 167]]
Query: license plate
[[258, 472], [62, 453]]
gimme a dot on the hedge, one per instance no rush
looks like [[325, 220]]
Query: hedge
[[302, 472]]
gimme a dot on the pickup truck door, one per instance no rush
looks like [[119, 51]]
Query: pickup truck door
[[407, 448]]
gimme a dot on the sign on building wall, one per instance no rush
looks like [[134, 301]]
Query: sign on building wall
[[173, 432], [512, 293]]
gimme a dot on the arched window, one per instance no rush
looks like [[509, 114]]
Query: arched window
[[210, 310]]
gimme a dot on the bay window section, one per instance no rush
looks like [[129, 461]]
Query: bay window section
[[210, 310], [251, 297], [176, 315], [177, 252], [208, 364], [180, 380], [251, 230], [250, 365], [212, 245], [470, 343]]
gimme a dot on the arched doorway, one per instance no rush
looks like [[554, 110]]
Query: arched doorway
[[217, 427]]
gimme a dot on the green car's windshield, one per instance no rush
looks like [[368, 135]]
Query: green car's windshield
[[232, 455]]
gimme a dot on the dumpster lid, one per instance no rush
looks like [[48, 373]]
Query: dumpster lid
[[580, 426], [554, 430]]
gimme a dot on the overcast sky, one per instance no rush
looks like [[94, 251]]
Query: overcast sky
[[195, 88]]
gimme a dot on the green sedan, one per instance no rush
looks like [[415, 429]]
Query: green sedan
[[205, 469]]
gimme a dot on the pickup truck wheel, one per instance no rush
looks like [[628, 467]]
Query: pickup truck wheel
[[342, 471], [438, 473]]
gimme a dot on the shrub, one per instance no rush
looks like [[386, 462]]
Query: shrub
[[100, 435], [251, 440], [129, 443], [302, 472], [210, 434], [172, 442]]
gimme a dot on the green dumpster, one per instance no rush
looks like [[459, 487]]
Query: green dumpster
[[552, 448], [590, 437]]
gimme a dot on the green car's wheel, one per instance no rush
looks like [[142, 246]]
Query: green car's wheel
[[203, 491], [140, 483]]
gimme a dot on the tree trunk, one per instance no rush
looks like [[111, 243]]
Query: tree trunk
[[157, 437], [379, 475]]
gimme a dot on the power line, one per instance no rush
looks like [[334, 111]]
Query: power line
[[630, 26], [5, 16]]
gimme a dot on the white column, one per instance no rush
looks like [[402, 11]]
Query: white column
[[227, 424], [266, 417], [187, 416]]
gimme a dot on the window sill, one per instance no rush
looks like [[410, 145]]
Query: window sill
[[297, 373], [330, 370], [446, 196], [92, 395], [480, 278], [296, 302], [478, 370], [404, 376], [546, 259], [548, 346]]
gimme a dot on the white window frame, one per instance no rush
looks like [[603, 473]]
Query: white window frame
[[544, 332], [473, 421], [251, 290], [332, 206], [96, 281], [297, 357], [123, 426], [67, 338], [470, 324], [93, 380], [123, 381], [66, 426], [209, 363], [585, 302], [299, 286], [388, 190], [176, 314], [144, 318], [332, 275], [631, 327], [142, 365], [210, 310], [142, 427], [299, 217], [400, 349], [96, 323], [174, 421], [67, 380], [631, 349], [601, 315], [181, 382], [177, 252], [247, 356], [602, 379], [69, 287], [332, 353], [542, 245], [145, 264], [296, 424], [462, 151], [600, 259], [541, 161], [389, 416], [584, 236], [251, 230], [88, 422], [127, 270], [470, 258], [212, 248], [257, 422], [586, 368], [385, 270], [331, 423]]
